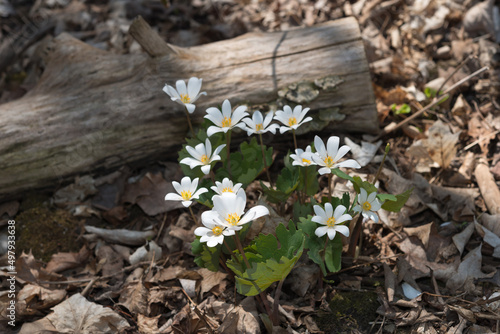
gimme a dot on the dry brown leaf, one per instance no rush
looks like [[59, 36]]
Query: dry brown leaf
[[422, 232], [242, 318], [134, 297], [9, 208], [32, 298], [148, 325], [75, 192], [64, 261], [167, 274], [491, 222], [110, 262], [441, 143], [149, 193], [461, 239], [467, 271], [77, 315], [210, 280]]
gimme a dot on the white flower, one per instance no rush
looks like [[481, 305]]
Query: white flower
[[303, 158], [259, 124], [202, 156], [226, 187], [225, 120], [331, 220], [212, 233], [229, 211], [368, 204], [292, 119], [186, 191], [185, 96], [328, 157]]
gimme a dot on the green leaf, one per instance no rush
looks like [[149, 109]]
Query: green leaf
[[287, 182], [341, 174], [309, 174], [247, 163], [386, 197], [206, 257], [358, 184], [327, 258], [303, 210], [395, 206], [404, 109], [268, 263]]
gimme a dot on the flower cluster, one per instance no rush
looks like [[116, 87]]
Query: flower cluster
[[227, 216]]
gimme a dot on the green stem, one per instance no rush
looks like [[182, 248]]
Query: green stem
[[228, 145], [265, 161], [276, 304], [261, 294], [330, 187], [294, 139], [356, 234], [189, 122], [193, 216], [305, 182], [212, 176], [387, 148]]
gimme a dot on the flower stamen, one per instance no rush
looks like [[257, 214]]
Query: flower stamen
[[186, 195], [367, 206], [292, 121], [329, 161], [306, 161], [227, 190], [259, 127], [226, 122], [204, 159], [233, 219], [185, 98], [217, 230], [330, 222]]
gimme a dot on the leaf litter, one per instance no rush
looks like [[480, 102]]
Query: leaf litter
[[433, 266]]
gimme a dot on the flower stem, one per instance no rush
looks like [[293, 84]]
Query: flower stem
[[261, 294], [228, 161], [277, 295], [356, 234], [294, 139], [265, 161], [212, 176], [330, 187], [193, 216], [387, 148], [189, 122]]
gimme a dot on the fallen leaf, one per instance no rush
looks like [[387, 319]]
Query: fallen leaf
[[77, 315], [210, 280], [134, 297], [461, 239], [468, 270], [441, 143], [148, 325], [365, 153], [64, 261], [32, 298]]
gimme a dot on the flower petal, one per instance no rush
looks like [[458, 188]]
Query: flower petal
[[190, 107], [320, 147], [341, 152], [342, 229], [181, 87], [332, 146], [321, 231], [193, 86], [331, 233], [339, 210], [214, 129], [173, 197], [351, 163]]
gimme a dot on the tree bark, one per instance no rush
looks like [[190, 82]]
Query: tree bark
[[93, 110]]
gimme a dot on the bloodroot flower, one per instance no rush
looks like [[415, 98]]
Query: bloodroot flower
[[186, 191], [331, 220], [213, 234], [368, 204], [259, 125], [292, 119], [226, 186], [229, 211], [202, 156], [226, 119], [185, 95], [328, 157], [303, 158]]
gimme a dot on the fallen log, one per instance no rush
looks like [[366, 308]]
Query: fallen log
[[93, 110]]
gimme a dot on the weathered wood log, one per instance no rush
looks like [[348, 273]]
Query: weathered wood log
[[93, 110]]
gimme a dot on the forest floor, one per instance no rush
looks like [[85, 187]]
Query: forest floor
[[427, 269]]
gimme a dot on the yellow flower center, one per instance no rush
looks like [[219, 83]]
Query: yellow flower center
[[233, 219], [227, 190], [367, 206], [185, 98], [305, 161], [328, 161], [259, 127], [226, 122], [292, 121], [186, 195], [330, 222], [204, 159], [217, 230]]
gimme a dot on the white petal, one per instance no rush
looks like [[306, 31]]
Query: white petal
[[331, 233], [194, 152], [376, 205], [339, 210], [181, 87], [226, 109], [187, 203], [343, 218], [214, 115], [324, 170], [177, 186], [351, 163], [341, 152], [214, 129], [372, 215], [200, 231], [332, 146], [255, 213], [362, 196], [194, 86], [219, 148], [319, 220], [238, 114], [321, 231], [284, 129], [190, 107], [342, 229], [371, 197], [320, 147], [205, 169], [328, 210], [173, 197]]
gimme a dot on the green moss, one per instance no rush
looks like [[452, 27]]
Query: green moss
[[46, 232], [351, 310]]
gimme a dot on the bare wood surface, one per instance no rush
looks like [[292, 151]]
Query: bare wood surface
[[488, 188], [93, 110]]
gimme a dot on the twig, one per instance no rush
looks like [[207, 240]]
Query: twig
[[434, 102], [198, 312], [462, 64]]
